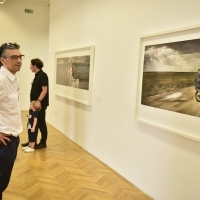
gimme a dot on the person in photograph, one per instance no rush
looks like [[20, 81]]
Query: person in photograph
[[10, 111], [197, 80], [40, 91]]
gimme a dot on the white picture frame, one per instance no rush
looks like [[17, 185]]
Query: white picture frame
[[74, 74], [182, 124]]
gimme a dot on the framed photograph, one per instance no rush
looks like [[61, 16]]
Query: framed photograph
[[169, 81], [74, 74]]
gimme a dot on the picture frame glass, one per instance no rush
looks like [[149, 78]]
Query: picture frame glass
[[73, 71], [169, 63], [74, 74]]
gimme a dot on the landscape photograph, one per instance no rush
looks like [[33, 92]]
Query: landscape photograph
[[168, 79]]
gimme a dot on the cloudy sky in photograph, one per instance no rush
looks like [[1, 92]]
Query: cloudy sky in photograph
[[183, 56]]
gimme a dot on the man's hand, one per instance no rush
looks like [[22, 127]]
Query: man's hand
[[37, 104], [3, 138]]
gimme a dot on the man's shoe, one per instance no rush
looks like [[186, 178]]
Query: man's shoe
[[25, 144], [40, 146]]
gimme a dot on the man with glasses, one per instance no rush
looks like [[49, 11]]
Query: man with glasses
[[10, 111]]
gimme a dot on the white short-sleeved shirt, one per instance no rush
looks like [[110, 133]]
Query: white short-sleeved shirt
[[10, 109]]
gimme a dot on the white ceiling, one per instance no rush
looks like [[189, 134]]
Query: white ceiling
[[26, 0], [48, 1]]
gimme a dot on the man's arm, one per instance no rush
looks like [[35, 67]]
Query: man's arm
[[3, 137], [42, 95]]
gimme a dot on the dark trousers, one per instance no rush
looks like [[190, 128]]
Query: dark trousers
[[8, 154], [31, 136], [42, 125]]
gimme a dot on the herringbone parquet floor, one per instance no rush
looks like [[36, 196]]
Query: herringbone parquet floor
[[65, 171]]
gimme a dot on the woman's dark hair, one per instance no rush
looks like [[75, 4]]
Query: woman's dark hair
[[37, 62]]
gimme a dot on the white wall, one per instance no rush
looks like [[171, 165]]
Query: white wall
[[163, 165], [30, 31]]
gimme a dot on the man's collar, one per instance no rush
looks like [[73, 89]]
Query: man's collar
[[11, 76], [38, 72]]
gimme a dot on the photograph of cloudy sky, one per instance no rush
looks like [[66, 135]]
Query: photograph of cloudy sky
[[169, 71], [183, 56]]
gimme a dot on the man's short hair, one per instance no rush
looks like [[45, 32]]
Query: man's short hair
[[37, 62]]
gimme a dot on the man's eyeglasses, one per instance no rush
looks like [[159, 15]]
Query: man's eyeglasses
[[15, 57]]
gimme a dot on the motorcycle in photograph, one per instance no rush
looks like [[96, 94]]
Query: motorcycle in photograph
[[197, 94]]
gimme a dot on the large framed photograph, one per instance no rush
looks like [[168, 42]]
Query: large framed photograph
[[169, 81], [74, 74]]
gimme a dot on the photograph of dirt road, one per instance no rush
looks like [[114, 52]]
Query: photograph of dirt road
[[168, 76]]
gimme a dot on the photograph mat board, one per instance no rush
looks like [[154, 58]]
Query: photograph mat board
[[83, 60], [177, 123]]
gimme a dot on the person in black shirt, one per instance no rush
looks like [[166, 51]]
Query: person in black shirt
[[40, 91], [32, 127]]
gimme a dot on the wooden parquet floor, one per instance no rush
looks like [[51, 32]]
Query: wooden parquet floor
[[65, 171]]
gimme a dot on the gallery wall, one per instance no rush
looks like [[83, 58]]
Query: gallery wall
[[31, 32], [162, 164]]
